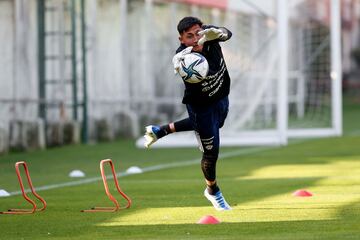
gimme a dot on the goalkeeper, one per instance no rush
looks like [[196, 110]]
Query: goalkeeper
[[206, 102]]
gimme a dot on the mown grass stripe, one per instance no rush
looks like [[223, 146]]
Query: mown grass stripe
[[235, 153]]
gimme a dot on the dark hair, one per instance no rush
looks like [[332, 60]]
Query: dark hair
[[188, 22]]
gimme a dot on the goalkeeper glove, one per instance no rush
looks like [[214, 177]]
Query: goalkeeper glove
[[179, 57], [211, 34]]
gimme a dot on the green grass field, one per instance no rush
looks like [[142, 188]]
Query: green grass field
[[167, 203]]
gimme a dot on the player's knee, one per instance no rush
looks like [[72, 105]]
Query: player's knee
[[210, 157]]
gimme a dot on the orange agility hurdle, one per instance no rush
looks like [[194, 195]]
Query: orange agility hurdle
[[111, 197], [34, 209]]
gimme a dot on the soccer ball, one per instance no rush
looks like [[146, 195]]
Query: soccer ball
[[194, 68]]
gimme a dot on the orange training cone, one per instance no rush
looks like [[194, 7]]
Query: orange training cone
[[208, 219], [302, 193]]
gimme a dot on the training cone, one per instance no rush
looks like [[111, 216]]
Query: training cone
[[4, 193], [134, 170], [76, 174], [208, 219], [302, 193]]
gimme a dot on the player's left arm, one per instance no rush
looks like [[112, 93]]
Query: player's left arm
[[211, 33], [227, 34]]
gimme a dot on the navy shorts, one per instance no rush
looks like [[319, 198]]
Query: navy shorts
[[206, 122]]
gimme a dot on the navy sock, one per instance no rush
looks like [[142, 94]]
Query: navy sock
[[213, 189], [164, 130], [179, 126], [183, 125]]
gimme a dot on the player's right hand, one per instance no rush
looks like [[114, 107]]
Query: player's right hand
[[179, 57]]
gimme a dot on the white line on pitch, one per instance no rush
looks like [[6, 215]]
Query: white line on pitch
[[146, 169]]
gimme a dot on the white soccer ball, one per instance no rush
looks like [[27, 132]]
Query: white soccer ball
[[194, 68]]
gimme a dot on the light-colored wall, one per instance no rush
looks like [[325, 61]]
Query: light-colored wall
[[7, 56], [18, 62]]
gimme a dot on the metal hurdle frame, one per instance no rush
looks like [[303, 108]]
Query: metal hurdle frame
[[111, 197], [34, 209]]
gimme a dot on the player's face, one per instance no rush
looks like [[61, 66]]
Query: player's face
[[191, 38]]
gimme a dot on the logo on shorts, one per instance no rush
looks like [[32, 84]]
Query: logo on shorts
[[209, 147], [208, 143]]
